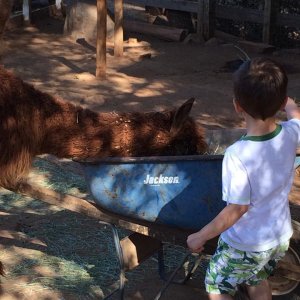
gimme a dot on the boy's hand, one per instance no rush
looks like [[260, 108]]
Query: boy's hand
[[196, 242], [292, 109], [290, 103], [225, 219]]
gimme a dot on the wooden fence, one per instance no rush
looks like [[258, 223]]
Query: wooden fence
[[208, 10]]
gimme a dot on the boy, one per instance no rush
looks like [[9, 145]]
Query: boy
[[257, 175]]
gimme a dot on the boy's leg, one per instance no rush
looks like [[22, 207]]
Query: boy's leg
[[220, 280], [260, 292], [258, 286], [219, 297], [230, 267]]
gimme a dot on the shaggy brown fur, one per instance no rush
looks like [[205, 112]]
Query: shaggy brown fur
[[33, 123]]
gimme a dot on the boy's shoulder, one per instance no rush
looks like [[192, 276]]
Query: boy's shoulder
[[234, 148], [291, 123], [292, 127], [242, 150], [233, 152]]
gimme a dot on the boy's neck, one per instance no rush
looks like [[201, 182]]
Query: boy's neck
[[259, 127]]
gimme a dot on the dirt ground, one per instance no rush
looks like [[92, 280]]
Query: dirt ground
[[152, 75]]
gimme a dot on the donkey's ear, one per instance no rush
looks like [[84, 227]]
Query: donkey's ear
[[181, 115]]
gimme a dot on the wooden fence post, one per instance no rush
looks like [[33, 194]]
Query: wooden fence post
[[27, 11], [118, 36], [199, 29], [101, 39], [58, 4], [270, 12], [209, 18]]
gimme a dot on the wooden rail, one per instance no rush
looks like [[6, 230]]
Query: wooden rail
[[182, 5], [89, 208]]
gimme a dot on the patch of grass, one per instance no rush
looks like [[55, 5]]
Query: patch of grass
[[16, 203], [59, 179]]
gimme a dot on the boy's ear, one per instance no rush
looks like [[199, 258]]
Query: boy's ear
[[283, 105], [237, 106]]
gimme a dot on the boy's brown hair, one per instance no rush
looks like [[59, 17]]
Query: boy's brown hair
[[260, 87]]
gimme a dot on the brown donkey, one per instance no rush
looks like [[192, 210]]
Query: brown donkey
[[33, 123]]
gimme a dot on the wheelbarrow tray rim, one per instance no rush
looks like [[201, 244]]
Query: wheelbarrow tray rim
[[145, 159]]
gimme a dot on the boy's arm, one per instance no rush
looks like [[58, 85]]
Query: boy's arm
[[225, 219], [292, 109]]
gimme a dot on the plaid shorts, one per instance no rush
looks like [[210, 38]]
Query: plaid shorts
[[230, 267]]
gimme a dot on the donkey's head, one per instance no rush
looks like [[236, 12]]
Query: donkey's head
[[180, 116], [185, 136]]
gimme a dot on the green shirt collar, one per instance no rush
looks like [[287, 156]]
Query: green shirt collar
[[262, 138]]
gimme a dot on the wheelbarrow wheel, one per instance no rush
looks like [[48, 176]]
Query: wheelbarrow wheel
[[283, 288]]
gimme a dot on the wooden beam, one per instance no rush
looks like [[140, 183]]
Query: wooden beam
[[183, 5], [163, 32], [101, 39], [119, 36]]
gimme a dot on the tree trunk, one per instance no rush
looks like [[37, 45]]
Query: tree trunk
[[5, 10], [81, 21]]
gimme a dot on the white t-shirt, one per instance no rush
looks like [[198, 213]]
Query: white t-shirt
[[259, 171]]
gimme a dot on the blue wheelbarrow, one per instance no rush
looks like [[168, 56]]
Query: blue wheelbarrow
[[182, 192], [178, 191]]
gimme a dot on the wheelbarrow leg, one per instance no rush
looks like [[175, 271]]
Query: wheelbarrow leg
[[172, 276], [161, 263], [120, 260], [191, 271]]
